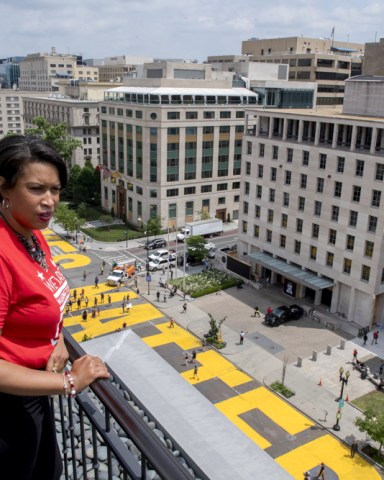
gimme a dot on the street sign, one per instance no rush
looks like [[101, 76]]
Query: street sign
[[148, 278], [341, 403]]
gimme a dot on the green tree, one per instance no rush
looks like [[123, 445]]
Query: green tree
[[57, 135], [153, 226], [196, 247], [107, 219], [86, 185], [373, 425], [204, 215], [67, 218]]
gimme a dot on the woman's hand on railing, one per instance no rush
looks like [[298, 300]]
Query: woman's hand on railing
[[86, 370]]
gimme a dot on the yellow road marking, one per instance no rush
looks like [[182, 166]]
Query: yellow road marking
[[178, 335]]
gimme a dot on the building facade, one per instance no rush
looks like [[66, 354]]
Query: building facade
[[311, 215], [324, 61], [373, 62], [82, 118], [171, 147]]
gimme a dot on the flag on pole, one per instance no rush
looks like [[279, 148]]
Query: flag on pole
[[333, 32], [106, 172]]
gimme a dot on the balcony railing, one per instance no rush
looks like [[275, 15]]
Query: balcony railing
[[104, 434]]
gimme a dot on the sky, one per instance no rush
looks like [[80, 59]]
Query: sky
[[192, 29]]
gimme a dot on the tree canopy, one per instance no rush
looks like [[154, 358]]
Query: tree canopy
[[196, 247], [373, 425]]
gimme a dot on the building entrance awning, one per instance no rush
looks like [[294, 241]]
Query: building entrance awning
[[292, 272]]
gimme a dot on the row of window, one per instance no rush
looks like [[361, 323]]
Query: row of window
[[174, 192], [313, 250]]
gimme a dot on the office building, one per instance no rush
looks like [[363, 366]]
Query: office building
[[311, 215], [373, 62]]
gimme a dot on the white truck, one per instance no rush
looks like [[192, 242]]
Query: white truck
[[205, 228]]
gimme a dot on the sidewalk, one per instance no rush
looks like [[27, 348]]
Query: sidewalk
[[316, 383]]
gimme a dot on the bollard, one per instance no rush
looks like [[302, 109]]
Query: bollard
[[299, 361], [329, 349], [342, 344], [314, 356]]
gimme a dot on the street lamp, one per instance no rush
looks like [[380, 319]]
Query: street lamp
[[126, 235], [343, 377], [148, 275]]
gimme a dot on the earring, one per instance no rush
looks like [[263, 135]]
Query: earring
[[5, 203]]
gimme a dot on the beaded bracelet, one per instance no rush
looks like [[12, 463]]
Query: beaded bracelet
[[71, 382]]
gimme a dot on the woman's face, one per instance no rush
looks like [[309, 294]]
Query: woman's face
[[32, 201]]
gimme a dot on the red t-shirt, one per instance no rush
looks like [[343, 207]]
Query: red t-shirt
[[32, 302]]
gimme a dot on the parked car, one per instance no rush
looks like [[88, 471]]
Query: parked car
[[162, 252], [283, 314], [155, 243]]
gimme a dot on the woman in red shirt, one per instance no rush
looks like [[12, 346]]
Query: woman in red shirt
[[33, 295]]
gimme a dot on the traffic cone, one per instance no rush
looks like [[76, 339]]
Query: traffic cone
[[347, 398], [320, 383]]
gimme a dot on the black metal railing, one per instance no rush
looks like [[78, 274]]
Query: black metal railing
[[101, 432]]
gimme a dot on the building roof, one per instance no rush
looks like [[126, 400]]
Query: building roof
[[243, 92]]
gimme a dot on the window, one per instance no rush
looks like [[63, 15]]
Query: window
[[275, 152], [350, 243], [365, 273], [173, 131], [235, 185], [372, 224], [191, 115], [340, 164], [207, 130], [379, 171], [269, 236], [368, 250], [305, 158], [288, 177], [315, 230], [261, 149], [224, 186], [356, 193], [245, 226], [353, 215], [270, 216], [323, 161], [257, 211], [335, 210], [173, 192], [297, 247], [289, 155], [246, 188], [208, 115], [320, 185], [317, 208], [337, 190], [301, 204], [285, 199], [260, 170], [249, 148], [283, 241], [139, 190], [240, 114], [189, 190], [236, 198], [299, 225], [206, 188], [303, 181], [359, 172], [259, 191], [312, 252], [332, 236], [376, 197], [247, 168], [245, 208], [284, 220], [273, 174], [256, 231], [272, 193], [225, 114], [347, 266], [329, 259], [173, 115]]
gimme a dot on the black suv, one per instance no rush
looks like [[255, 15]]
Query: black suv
[[283, 314], [155, 243]]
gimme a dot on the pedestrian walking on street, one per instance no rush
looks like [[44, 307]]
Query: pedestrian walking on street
[[102, 297], [98, 310], [171, 322], [101, 270], [195, 370], [123, 307], [135, 282], [354, 356], [194, 356], [257, 312], [354, 448], [365, 338], [96, 282], [184, 308], [158, 296], [78, 303], [242, 335], [109, 299], [86, 302], [95, 302], [70, 305], [75, 294], [375, 337], [321, 474], [186, 358], [165, 298], [84, 315], [84, 275]]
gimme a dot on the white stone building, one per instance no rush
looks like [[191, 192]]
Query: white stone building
[[311, 215]]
